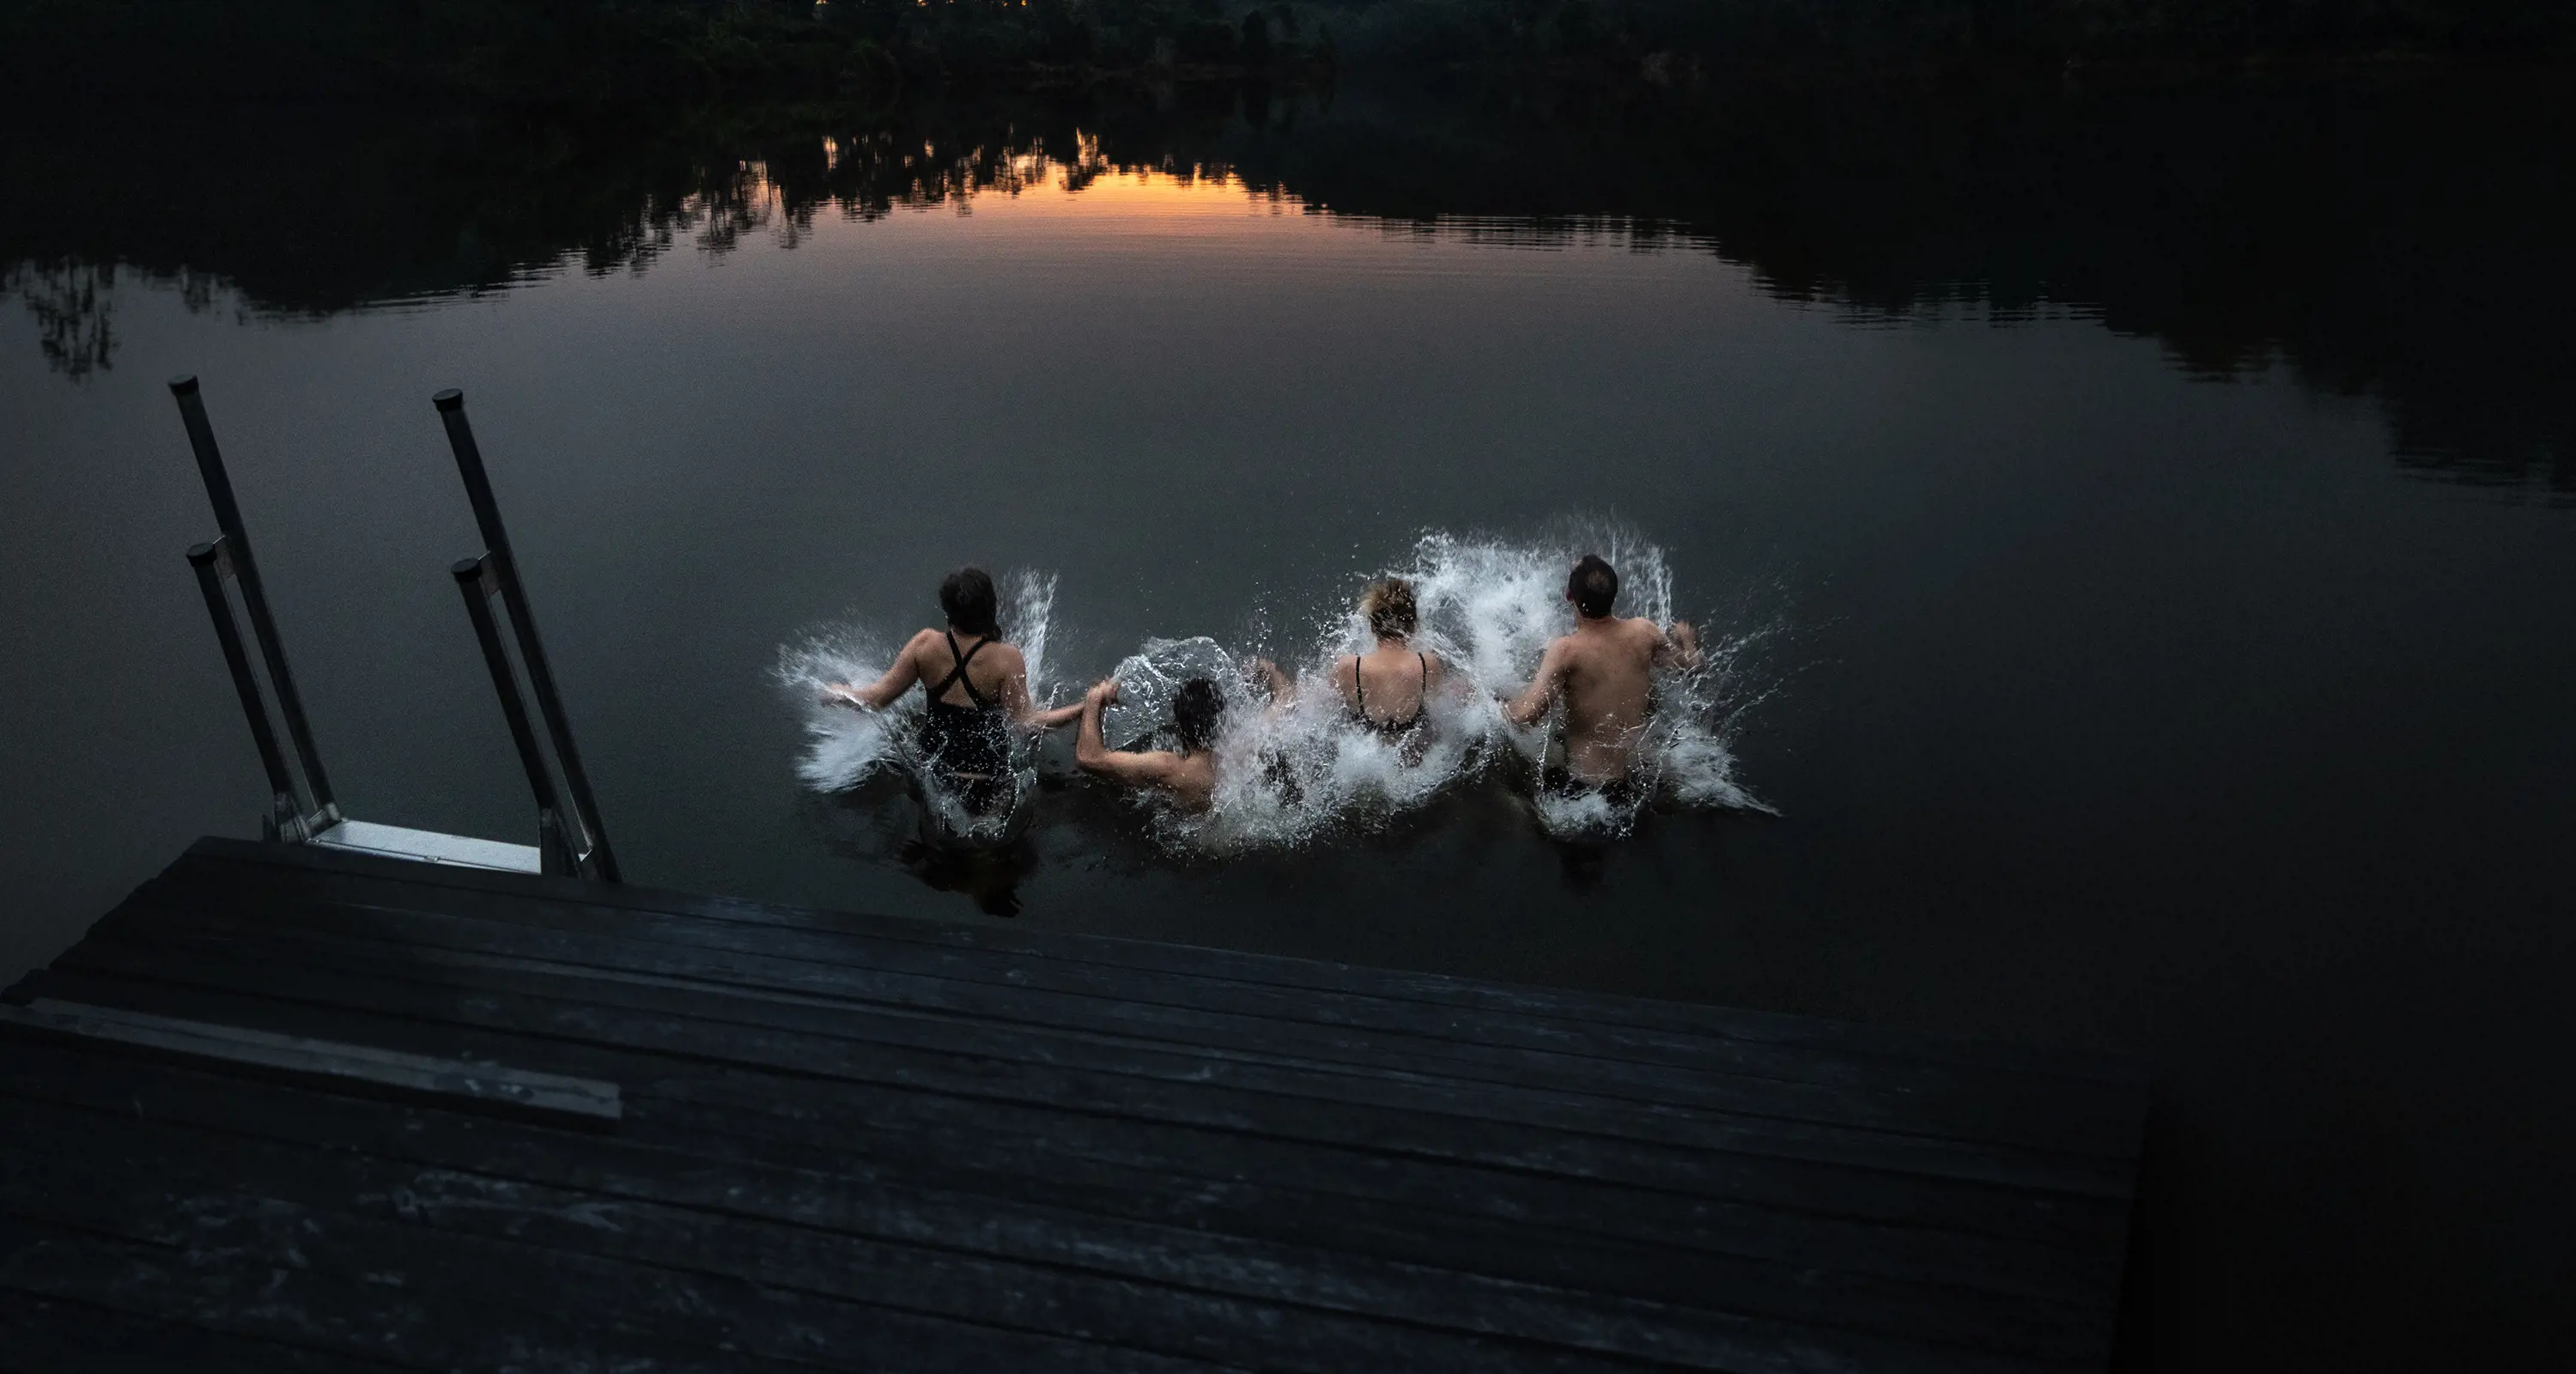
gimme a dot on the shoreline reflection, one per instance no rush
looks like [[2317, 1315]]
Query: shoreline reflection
[[2392, 235]]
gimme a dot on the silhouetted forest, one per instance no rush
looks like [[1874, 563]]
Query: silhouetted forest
[[2400, 236], [589, 51], [553, 51]]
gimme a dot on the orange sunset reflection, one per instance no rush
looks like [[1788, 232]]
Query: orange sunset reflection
[[869, 177]]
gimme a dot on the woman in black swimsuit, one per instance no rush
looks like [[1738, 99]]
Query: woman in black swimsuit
[[977, 692], [1388, 689]]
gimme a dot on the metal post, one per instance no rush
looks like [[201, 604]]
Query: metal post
[[245, 569], [285, 818], [514, 598], [474, 578]]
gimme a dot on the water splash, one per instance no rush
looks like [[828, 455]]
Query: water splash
[[1301, 770], [844, 748], [1488, 608]]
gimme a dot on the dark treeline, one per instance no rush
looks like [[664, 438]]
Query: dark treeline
[[594, 51], [547, 51], [2400, 235], [2396, 235]]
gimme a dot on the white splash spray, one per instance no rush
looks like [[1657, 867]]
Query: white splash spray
[[1300, 771]]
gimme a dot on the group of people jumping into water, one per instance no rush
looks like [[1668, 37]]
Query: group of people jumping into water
[[1600, 677]]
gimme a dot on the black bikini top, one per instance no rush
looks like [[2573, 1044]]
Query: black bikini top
[[1359, 699]]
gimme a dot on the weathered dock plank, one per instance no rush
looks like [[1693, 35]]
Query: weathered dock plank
[[854, 1142], [361, 1069], [1372, 1032]]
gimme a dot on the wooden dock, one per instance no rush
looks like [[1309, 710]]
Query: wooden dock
[[291, 1109]]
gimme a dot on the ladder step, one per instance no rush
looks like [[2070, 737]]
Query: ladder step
[[429, 846]]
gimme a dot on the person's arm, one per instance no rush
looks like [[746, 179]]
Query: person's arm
[[1680, 644], [1092, 754], [1271, 678], [1024, 712], [1533, 701], [1059, 716], [883, 692]]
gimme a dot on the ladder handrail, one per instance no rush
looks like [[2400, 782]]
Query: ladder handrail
[[599, 860], [230, 554]]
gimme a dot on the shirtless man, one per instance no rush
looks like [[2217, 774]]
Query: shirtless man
[[1604, 673], [1188, 776]]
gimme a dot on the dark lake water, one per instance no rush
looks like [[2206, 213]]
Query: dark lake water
[[2156, 502]]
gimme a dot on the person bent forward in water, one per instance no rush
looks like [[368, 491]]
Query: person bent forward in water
[[1398, 675], [1188, 776], [977, 692], [1604, 674], [1386, 691]]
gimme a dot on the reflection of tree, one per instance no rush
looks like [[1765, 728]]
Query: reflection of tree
[[75, 322], [74, 306], [2399, 238], [2393, 234]]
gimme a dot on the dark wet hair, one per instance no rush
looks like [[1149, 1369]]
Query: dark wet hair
[[1593, 584], [1388, 604], [1196, 710], [967, 596]]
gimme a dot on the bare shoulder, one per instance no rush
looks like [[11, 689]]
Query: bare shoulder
[[1008, 657], [1159, 766]]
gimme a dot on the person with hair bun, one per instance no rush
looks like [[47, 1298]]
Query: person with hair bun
[[976, 694], [1603, 675], [1388, 689]]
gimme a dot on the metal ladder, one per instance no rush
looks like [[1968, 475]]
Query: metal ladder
[[571, 840]]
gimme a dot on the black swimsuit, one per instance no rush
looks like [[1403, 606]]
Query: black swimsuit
[[1622, 792], [970, 745], [1390, 729]]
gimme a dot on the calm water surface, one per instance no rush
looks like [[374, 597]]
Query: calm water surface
[[2161, 503]]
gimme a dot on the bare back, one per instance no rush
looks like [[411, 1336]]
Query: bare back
[[1190, 778], [1604, 674], [1390, 686]]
